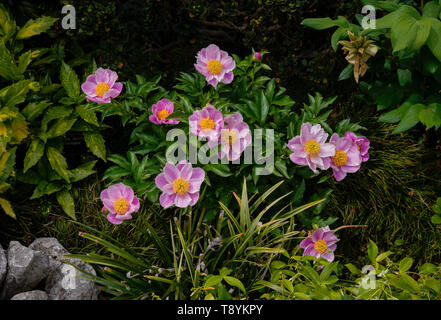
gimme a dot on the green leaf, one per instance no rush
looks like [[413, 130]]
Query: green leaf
[[264, 107], [70, 81], [23, 61], [60, 127], [66, 202], [58, 162], [431, 116], [339, 34], [409, 119], [235, 283], [404, 76], [428, 268], [406, 283], [372, 251], [95, 142], [320, 23], [35, 27], [346, 73], [221, 170], [436, 219], [87, 114], [34, 109], [353, 269], [46, 188], [431, 9], [405, 264], [33, 155], [7, 208], [83, 171], [7, 24], [434, 38], [213, 280]]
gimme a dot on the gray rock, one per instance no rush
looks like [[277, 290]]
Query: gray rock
[[26, 269], [65, 282], [31, 295], [3, 265]]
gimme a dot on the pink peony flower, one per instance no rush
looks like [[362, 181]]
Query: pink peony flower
[[101, 86], [347, 158], [363, 144], [120, 201], [179, 184], [321, 244], [257, 56], [234, 138], [207, 123], [161, 111], [215, 65], [310, 148]]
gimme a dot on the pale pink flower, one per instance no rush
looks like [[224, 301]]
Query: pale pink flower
[[180, 184], [161, 111], [234, 138], [322, 243], [207, 123], [101, 86], [215, 65], [120, 201], [310, 148], [347, 158]]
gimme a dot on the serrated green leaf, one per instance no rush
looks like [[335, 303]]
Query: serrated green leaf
[[33, 155], [35, 26], [58, 162], [87, 114], [95, 142], [7, 208], [70, 81], [431, 116], [34, 109], [7, 24], [67, 203]]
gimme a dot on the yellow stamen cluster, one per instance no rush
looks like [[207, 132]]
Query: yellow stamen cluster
[[121, 206], [340, 158], [207, 124], [214, 67], [180, 186], [312, 148], [101, 89], [229, 136], [320, 246], [163, 114]]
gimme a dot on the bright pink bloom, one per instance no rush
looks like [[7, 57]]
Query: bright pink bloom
[[234, 138], [101, 86], [207, 123], [120, 201], [347, 158], [310, 148], [321, 244], [180, 184], [363, 144], [257, 56], [215, 65], [161, 111]]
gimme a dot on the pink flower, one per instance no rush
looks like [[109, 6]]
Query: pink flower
[[120, 201], [215, 65], [347, 158], [363, 144], [310, 148], [179, 184], [207, 123], [322, 243], [161, 111], [101, 86], [234, 138], [257, 56]]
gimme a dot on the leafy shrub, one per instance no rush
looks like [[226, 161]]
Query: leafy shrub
[[263, 105], [406, 71], [37, 113]]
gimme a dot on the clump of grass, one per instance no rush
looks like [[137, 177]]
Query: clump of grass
[[392, 193]]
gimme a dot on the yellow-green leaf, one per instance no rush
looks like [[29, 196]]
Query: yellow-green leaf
[[95, 142], [7, 24], [70, 81], [35, 26], [6, 206], [67, 203], [35, 152], [58, 162]]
